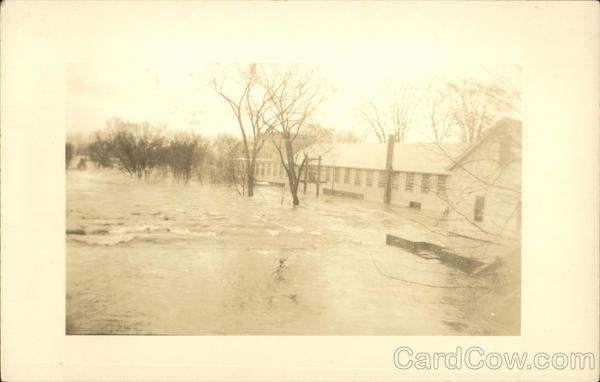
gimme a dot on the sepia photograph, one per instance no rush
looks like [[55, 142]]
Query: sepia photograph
[[293, 199], [299, 190]]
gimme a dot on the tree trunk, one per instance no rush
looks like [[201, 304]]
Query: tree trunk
[[294, 191], [293, 179], [250, 183], [295, 198]]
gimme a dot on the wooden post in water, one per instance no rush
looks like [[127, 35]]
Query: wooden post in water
[[387, 198], [318, 175]]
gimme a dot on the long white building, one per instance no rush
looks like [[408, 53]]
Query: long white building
[[478, 184]]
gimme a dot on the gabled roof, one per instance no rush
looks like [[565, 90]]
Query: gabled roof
[[504, 124], [428, 158]]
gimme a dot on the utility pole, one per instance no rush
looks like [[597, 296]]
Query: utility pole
[[388, 169], [318, 175]]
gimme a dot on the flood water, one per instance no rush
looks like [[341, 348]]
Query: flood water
[[167, 258]]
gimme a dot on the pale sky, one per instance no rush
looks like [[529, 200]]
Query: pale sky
[[180, 96], [151, 60]]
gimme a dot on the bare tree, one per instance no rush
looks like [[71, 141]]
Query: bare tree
[[226, 168], [439, 112], [316, 133], [100, 150], [369, 112], [294, 94], [142, 150], [348, 136], [135, 145], [476, 105], [183, 154], [250, 108], [393, 114]]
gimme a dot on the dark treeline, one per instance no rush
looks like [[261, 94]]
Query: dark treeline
[[142, 151]]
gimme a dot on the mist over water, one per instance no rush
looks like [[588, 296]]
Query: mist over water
[[167, 258]]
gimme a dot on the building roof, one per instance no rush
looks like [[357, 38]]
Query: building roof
[[408, 157], [505, 124], [428, 158]]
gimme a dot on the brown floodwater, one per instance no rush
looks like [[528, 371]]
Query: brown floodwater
[[167, 258]]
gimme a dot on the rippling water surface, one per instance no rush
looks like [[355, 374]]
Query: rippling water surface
[[162, 258]]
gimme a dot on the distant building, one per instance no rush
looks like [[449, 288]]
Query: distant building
[[359, 170], [476, 187]]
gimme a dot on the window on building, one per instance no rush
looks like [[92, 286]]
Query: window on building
[[281, 170], [268, 169], [381, 179], [441, 185], [479, 205], [327, 174], [395, 181], [336, 174], [414, 205], [357, 175], [369, 178], [424, 183], [312, 174], [346, 175], [410, 181], [262, 168]]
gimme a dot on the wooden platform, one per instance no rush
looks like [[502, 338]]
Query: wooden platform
[[431, 250]]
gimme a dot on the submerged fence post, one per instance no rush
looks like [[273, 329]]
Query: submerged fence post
[[387, 198], [318, 175]]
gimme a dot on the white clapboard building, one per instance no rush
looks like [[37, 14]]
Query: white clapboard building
[[475, 186]]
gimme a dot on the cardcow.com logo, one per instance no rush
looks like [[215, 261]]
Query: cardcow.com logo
[[476, 358]]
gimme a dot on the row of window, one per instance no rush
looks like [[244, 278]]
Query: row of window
[[395, 180], [269, 169], [272, 169]]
